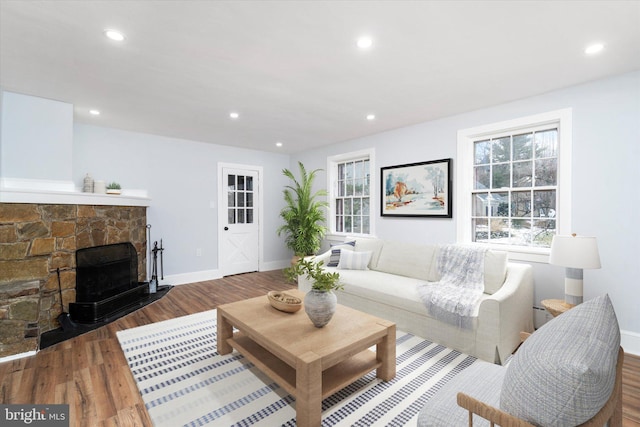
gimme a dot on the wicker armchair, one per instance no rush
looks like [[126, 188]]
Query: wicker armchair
[[611, 412], [569, 372]]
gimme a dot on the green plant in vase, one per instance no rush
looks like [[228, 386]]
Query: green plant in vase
[[113, 188], [320, 302], [323, 281]]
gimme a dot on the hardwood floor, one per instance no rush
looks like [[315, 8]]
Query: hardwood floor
[[90, 372], [631, 391]]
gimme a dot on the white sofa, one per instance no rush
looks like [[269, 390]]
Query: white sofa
[[388, 289]]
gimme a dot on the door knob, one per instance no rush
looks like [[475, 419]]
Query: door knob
[[226, 228]]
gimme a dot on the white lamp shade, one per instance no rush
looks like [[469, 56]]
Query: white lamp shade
[[574, 252]]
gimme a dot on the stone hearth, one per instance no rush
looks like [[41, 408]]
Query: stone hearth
[[38, 239]]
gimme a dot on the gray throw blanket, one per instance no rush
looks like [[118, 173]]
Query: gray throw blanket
[[456, 297]]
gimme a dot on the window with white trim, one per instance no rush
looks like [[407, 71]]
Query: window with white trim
[[350, 192], [514, 182]]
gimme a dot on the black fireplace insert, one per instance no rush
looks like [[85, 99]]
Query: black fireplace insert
[[106, 282]]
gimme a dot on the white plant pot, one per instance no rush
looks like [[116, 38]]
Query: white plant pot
[[320, 306]]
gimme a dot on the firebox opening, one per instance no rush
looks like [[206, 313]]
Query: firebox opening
[[107, 288], [106, 282]]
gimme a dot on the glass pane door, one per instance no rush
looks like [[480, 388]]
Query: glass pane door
[[240, 195]]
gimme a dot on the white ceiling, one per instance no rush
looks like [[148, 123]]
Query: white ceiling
[[291, 69]]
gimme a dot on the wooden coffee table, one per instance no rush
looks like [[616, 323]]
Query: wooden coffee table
[[309, 363]]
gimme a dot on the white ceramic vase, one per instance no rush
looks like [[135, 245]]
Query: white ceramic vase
[[99, 187], [320, 306]]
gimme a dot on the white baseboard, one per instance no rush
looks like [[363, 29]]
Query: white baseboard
[[275, 265], [201, 276], [17, 356], [630, 342], [196, 276]]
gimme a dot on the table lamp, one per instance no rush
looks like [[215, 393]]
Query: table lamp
[[575, 253]]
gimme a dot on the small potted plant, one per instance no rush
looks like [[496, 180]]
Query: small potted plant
[[320, 302], [113, 188]]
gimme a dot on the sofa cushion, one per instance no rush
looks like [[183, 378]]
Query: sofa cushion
[[334, 258], [481, 380], [564, 373], [390, 289], [352, 260], [372, 244], [407, 259]]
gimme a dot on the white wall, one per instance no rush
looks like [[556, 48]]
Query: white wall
[[605, 175], [181, 178], [1, 129], [39, 142], [36, 137]]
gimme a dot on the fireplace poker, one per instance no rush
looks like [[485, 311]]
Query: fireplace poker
[[161, 261], [153, 284], [149, 247]]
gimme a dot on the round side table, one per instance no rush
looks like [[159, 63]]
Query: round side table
[[556, 306]]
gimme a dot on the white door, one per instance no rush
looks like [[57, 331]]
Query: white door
[[239, 224]]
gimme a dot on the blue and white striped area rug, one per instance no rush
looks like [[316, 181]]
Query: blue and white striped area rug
[[184, 381]]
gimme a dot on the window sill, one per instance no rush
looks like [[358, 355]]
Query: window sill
[[520, 253], [342, 236]]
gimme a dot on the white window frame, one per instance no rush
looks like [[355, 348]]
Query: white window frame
[[332, 174], [464, 178]]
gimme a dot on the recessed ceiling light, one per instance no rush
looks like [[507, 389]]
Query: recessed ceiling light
[[371, 117], [94, 112], [234, 115], [278, 144], [114, 35], [364, 42], [594, 48]]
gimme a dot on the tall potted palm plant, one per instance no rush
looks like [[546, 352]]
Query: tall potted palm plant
[[303, 214]]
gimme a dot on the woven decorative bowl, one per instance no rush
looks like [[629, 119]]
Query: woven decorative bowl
[[284, 302]]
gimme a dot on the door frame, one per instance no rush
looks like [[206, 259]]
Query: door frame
[[221, 214]]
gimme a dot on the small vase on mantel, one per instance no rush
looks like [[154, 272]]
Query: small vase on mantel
[[87, 184], [99, 187], [320, 306]]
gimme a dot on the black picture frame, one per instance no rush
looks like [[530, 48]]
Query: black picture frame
[[422, 189]]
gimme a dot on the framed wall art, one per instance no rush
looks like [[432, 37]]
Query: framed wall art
[[417, 190]]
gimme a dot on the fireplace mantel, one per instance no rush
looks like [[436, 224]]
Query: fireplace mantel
[[65, 193]]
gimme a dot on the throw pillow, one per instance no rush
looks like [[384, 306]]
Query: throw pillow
[[334, 258], [407, 259], [495, 270], [354, 260], [564, 373], [372, 244]]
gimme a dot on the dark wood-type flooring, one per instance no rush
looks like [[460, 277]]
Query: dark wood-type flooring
[[90, 372]]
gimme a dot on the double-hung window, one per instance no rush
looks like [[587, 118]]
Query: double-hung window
[[350, 192], [514, 183]]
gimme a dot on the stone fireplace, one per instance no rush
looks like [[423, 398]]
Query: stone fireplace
[[45, 217], [37, 239]]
